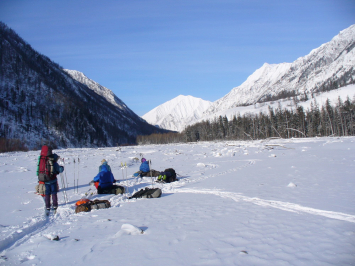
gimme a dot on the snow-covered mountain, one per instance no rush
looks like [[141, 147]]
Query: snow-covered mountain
[[177, 113], [328, 67], [96, 87], [42, 103]]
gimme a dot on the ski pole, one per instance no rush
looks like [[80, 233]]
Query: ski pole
[[150, 172], [122, 171], [125, 164], [77, 180], [63, 186], [126, 178], [64, 189], [66, 179], [123, 178], [74, 173]]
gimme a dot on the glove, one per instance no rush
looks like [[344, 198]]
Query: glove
[[61, 169], [92, 182]]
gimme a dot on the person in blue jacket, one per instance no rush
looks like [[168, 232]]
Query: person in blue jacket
[[105, 179], [144, 168], [52, 185]]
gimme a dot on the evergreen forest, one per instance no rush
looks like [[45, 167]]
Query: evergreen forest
[[329, 120]]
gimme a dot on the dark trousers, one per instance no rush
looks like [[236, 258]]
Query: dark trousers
[[51, 189]]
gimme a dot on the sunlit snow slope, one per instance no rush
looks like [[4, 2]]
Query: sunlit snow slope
[[177, 113], [330, 66]]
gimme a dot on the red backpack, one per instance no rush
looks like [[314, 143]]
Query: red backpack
[[45, 165]]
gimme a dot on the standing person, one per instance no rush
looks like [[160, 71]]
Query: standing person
[[52, 185], [104, 162]]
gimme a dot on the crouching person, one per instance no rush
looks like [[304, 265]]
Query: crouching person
[[105, 181], [144, 169]]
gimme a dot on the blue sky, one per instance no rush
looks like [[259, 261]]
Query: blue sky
[[148, 52]]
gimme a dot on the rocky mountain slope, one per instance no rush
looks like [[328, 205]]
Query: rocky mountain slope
[[42, 103]]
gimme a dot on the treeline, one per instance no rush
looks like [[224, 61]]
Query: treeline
[[165, 138], [8, 145], [329, 120]]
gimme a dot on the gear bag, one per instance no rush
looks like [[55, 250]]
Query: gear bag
[[41, 189], [147, 193], [92, 205], [114, 189], [45, 168], [100, 204]]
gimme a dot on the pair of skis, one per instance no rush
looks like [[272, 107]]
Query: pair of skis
[[64, 181], [76, 172], [64, 184]]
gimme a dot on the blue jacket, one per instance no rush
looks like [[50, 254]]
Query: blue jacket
[[105, 177], [144, 167]]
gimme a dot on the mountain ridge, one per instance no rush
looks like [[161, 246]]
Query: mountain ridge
[[41, 103], [328, 67]]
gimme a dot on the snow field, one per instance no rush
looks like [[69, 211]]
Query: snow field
[[232, 206]]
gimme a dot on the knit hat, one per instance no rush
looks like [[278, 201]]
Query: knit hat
[[103, 161], [56, 157], [143, 160]]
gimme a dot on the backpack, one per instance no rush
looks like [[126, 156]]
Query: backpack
[[147, 193], [82, 201], [100, 204], [45, 166], [87, 206], [114, 189], [168, 176]]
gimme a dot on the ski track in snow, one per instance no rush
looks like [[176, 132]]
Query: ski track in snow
[[39, 225], [23, 233], [286, 206]]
